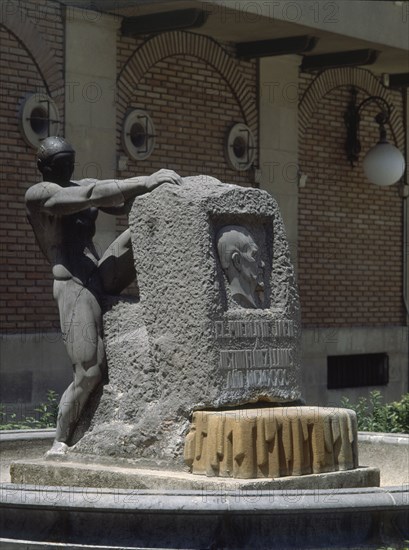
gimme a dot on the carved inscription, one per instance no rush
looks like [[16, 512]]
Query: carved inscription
[[263, 366], [255, 358], [254, 329], [257, 378], [256, 367]]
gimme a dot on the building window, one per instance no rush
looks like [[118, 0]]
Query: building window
[[354, 371]]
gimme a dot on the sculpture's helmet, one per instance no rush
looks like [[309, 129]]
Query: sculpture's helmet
[[52, 146]]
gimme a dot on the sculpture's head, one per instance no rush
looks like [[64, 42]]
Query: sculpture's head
[[56, 160], [240, 260]]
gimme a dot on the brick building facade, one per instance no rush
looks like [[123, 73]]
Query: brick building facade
[[350, 232], [347, 237], [31, 60]]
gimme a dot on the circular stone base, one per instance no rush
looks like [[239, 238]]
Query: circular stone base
[[272, 442]]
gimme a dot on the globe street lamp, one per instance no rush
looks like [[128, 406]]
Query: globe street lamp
[[384, 164]]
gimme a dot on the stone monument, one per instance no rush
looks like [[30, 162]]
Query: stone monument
[[204, 369], [194, 345]]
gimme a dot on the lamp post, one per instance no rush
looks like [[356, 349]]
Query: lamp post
[[384, 164]]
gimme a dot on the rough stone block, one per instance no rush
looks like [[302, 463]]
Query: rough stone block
[[217, 324]]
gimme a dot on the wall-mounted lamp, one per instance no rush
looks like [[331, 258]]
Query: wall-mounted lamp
[[384, 164]]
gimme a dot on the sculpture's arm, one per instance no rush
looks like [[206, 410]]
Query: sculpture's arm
[[123, 209], [85, 194], [115, 210], [59, 201], [37, 195]]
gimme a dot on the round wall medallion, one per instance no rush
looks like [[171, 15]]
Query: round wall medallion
[[138, 134], [240, 147], [38, 119]]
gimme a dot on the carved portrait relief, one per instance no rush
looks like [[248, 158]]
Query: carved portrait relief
[[242, 265]]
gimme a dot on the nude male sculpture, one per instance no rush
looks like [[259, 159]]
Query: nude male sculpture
[[241, 262], [62, 214]]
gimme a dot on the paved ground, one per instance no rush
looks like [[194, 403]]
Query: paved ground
[[391, 457], [11, 452]]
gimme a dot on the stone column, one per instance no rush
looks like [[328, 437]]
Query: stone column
[[406, 200], [279, 138], [90, 113]]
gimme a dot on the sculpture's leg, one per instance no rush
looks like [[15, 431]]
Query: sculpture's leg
[[116, 267], [81, 324]]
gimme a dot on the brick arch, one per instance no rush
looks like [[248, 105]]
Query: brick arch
[[41, 54], [359, 78], [181, 43]]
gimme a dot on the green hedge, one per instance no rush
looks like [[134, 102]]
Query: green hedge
[[46, 416], [374, 416]]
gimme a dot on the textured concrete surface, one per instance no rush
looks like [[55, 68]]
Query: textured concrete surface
[[319, 343], [71, 474], [187, 345], [22, 444], [389, 453]]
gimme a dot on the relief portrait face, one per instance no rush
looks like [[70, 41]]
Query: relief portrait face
[[249, 264], [241, 261]]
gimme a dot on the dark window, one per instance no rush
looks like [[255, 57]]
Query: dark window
[[353, 371]]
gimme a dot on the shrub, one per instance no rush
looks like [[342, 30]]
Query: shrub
[[373, 416], [406, 547], [46, 416]]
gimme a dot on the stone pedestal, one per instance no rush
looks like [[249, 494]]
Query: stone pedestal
[[216, 335], [122, 475], [272, 442], [217, 324]]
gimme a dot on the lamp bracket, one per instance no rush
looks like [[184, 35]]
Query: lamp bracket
[[352, 120]]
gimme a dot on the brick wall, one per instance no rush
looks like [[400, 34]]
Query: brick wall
[[350, 231], [192, 106], [25, 68], [193, 101]]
